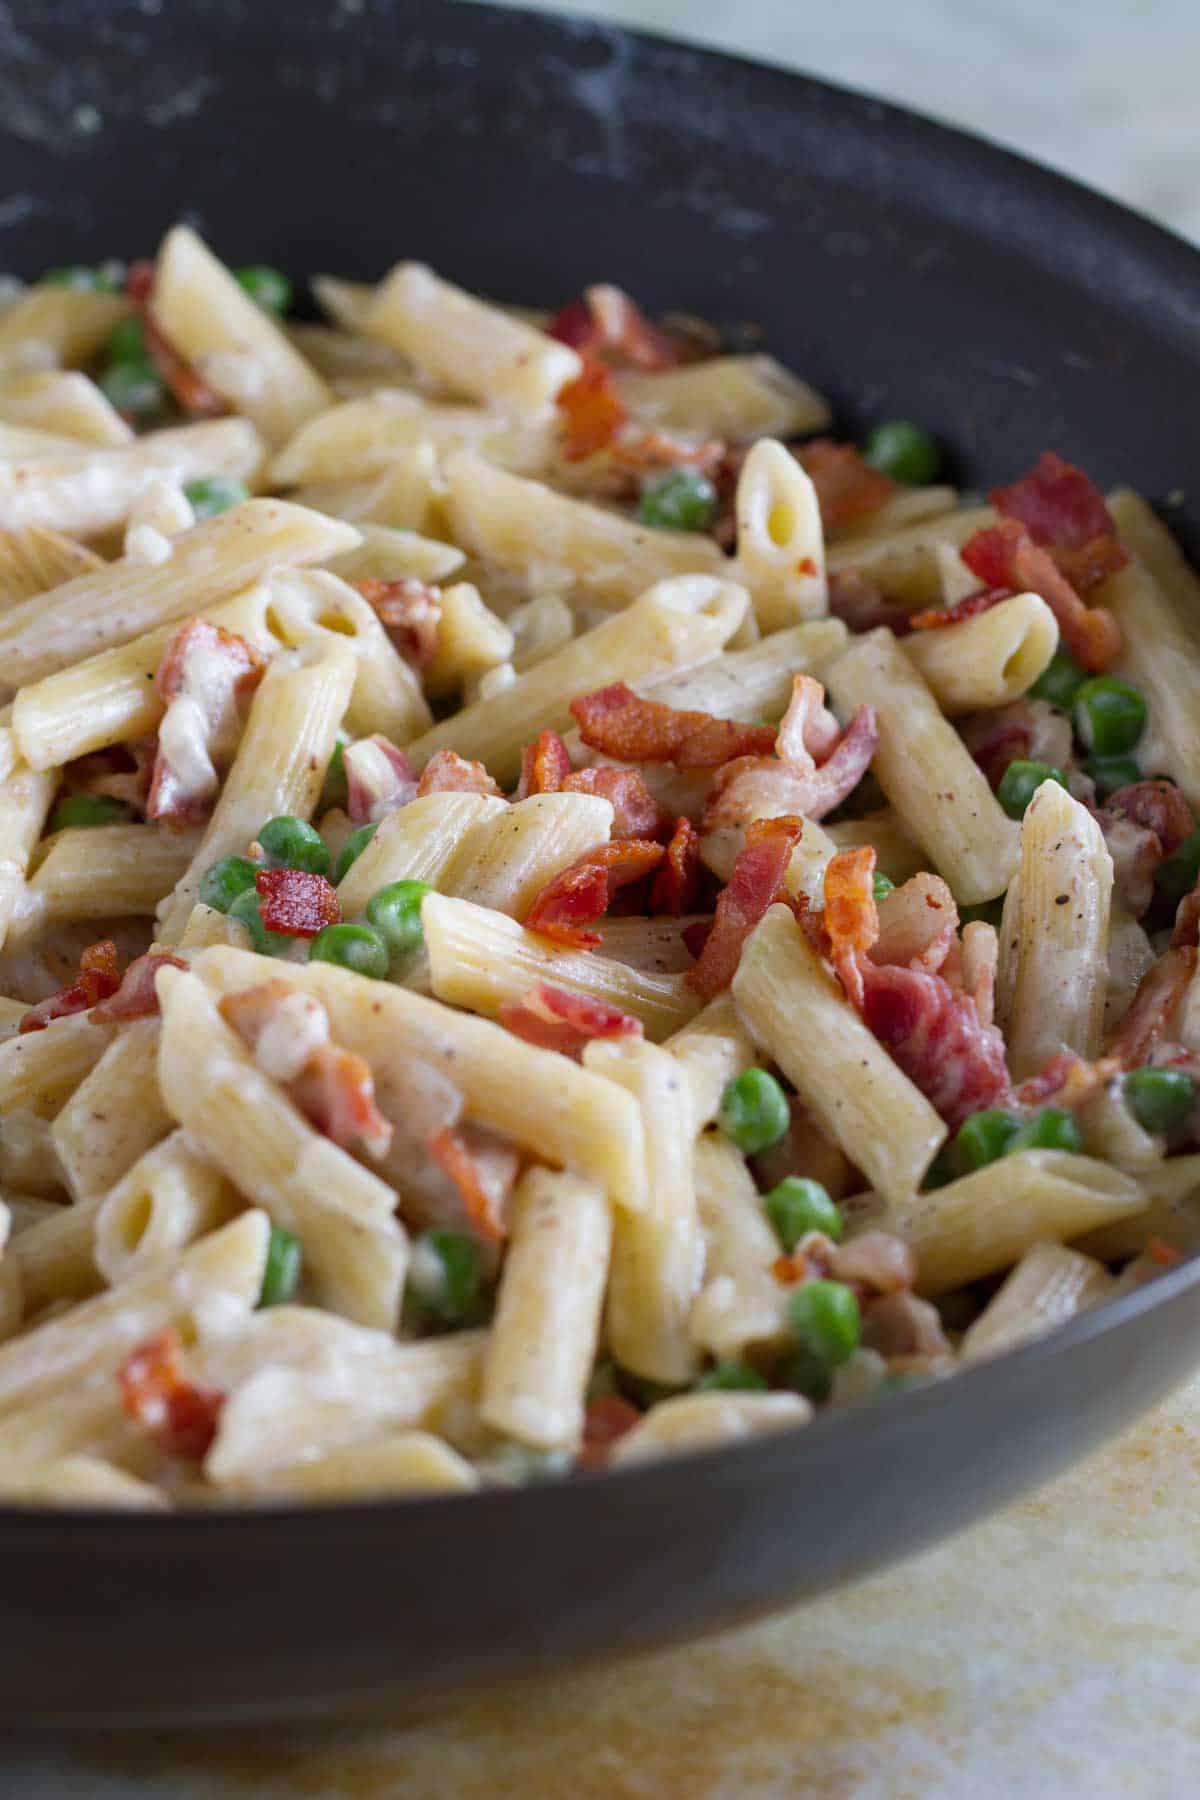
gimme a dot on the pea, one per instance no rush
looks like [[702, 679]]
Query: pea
[[1059, 681], [1109, 715], [270, 287], [291, 844], [905, 451], [395, 912], [244, 908], [1112, 772], [446, 1275], [136, 390], [730, 1377], [127, 343], [82, 279], [1021, 781], [798, 1205], [223, 881], [825, 1316], [984, 1138], [808, 1373], [281, 1272], [357, 947], [683, 500], [754, 1111], [1160, 1099], [941, 1170], [1180, 871], [213, 494], [1051, 1128], [882, 887], [352, 849], [79, 812]]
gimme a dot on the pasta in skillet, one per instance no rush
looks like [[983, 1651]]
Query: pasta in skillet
[[551, 911]]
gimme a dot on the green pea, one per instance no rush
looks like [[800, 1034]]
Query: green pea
[[808, 1373], [270, 287], [730, 1377], [395, 912], [213, 494], [82, 279], [136, 390], [1109, 715], [127, 343], [1160, 1099], [984, 1138], [797, 1205], [1021, 781], [281, 1272], [1059, 681], [1051, 1128], [79, 812], [882, 887], [223, 881], [683, 500], [754, 1111], [825, 1316], [291, 844], [904, 451], [1178, 873], [333, 789], [357, 947], [445, 1275], [244, 908], [941, 1170], [352, 849], [1112, 772]]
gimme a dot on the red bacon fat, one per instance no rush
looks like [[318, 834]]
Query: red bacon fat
[[554, 1019]]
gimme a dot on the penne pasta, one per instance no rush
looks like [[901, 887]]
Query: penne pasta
[[1049, 1285], [781, 544], [168, 1198], [741, 1304], [736, 397], [987, 660], [97, 1135]]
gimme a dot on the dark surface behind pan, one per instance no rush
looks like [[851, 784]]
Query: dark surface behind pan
[[904, 269]]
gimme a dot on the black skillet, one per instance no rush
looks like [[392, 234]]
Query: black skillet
[[906, 270]]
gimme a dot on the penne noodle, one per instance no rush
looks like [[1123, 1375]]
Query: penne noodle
[[734, 397], [741, 1304], [168, 1198], [51, 327], [97, 1135], [101, 872], [66, 402], [516, 851], [702, 1421], [987, 660], [422, 841], [780, 542], [1049, 1285]]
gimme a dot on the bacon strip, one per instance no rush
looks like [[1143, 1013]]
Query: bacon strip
[[592, 411], [1155, 1004], [295, 902], [564, 908], [137, 996], [1062, 509], [1156, 806], [379, 779], [676, 887], [861, 603], [1005, 555], [410, 611], [851, 918], [1068, 1080], [967, 608], [205, 676], [483, 1168], [554, 1019], [754, 786], [448, 773], [545, 765], [848, 489], [636, 813], [622, 725], [97, 980], [193, 395], [606, 322], [935, 1036], [918, 924], [335, 1091], [607, 1419], [754, 885], [178, 1413]]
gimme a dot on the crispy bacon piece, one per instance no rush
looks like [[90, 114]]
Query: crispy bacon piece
[[1136, 854], [935, 1036], [205, 677], [862, 604], [592, 411], [636, 813], [1068, 1080], [295, 902], [410, 612], [1025, 729], [97, 980], [137, 996], [967, 608], [851, 918], [1062, 509], [918, 924], [606, 322], [1156, 806], [554, 1019], [795, 784], [875, 1261], [808, 731], [657, 451], [607, 1419], [1187, 921], [178, 1413], [1005, 555], [483, 1168], [336, 1093], [620, 723], [901, 1325], [379, 779], [1155, 1004], [448, 773], [193, 395], [848, 489], [753, 886], [566, 906], [545, 765], [676, 887]]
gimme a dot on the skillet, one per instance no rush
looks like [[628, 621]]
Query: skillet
[[903, 268]]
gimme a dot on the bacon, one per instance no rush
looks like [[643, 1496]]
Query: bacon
[[448, 773], [676, 887], [1187, 921], [753, 886], [574, 325], [1155, 1004], [379, 779], [335, 1091], [808, 731], [137, 996], [620, 723], [545, 765], [969, 607], [1005, 555], [205, 676], [410, 611], [97, 980], [757, 786], [1062, 509], [876, 1261], [1025, 729], [483, 1168], [295, 902], [918, 924], [851, 920], [606, 322], [122, 772], [901, 1325], [656, 451], [592, 411], [1068, 1080], [696, 935], [606, 1420], [1136, 855], [554, 1019], [1156, 806], [177, 1413], [193, 395], [582, 893], [862, 604], [936, 1037], [636, 813], [848, 489]]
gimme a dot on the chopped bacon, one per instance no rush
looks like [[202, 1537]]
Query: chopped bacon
[[876, 1261], [1005, 555], [448, 773], [969, 607], [851, 920], [808, 730], [901, 1325], [483, 1168], [1157, 806], [178, 1413], [677, 884], [606, 322], [918, 924], [336, 1093], [862, 604], [656, 451], [696, 935], [573, 324], [753, 886], [1136, 855], [1062, 509], [193, 395], [935, 1036], [137, 996], [1187, 921], [1068, 1080], [554, 1019], [97, 980], [1154, 1006], [607, 1419], [545, 765], [1025, 729], [792, 782], [848, 489], [592, 411], [295, 902], [620, 723], [379, 779], [636, 813], [410, 611], [566, 906], [205, 677]]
